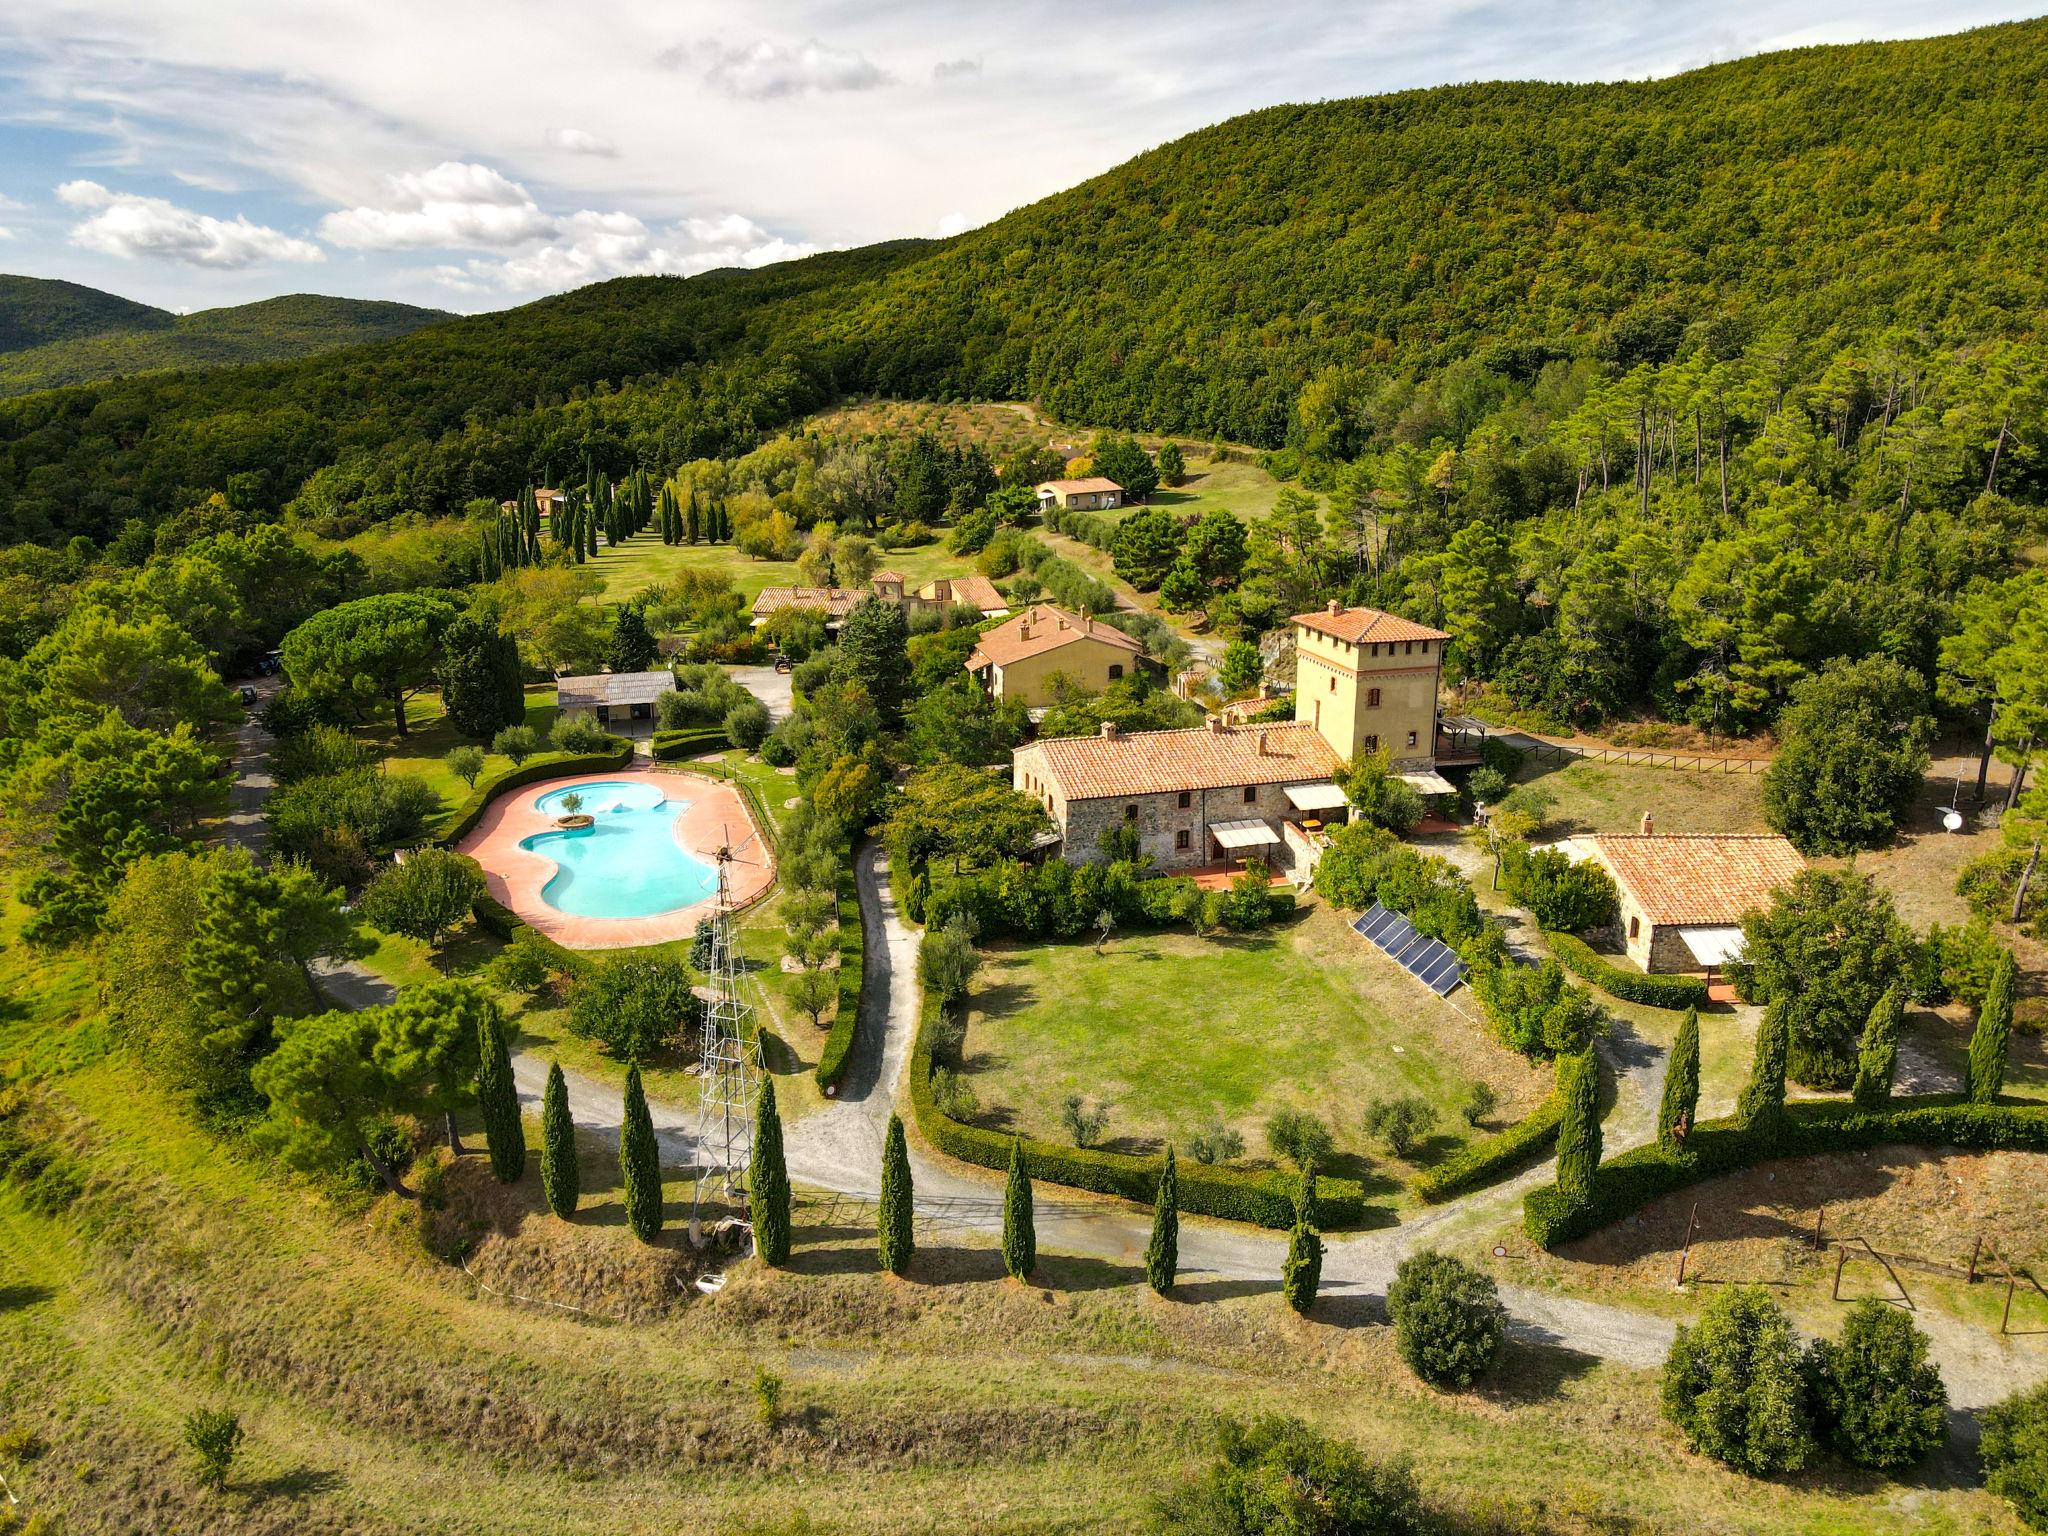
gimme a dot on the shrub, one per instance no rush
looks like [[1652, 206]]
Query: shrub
[[1218, 1144], [466, 763], [1298, 1136], [1733, 1386], [1562, 893], [1020, 1235], [1876, 1401], [214, 1436], [1478, 1104], [895, 1240], [1278, 1476], [2015, 1454], [746, 724], [1162, 1249], [1448, 1320], [430, 893], [635, 1005], [1084, 1125], [340, 822], [947, 961], [1479, 1161], [1486, 786], [579, 733], [518, 742], [667, 746], [1580, 958], [1400, 1122]]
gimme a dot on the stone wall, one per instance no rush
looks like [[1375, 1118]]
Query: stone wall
[[1161, 818]]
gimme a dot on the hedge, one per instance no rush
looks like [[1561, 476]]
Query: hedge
[[669, 745], [1579, 957], [838, 1049], [1486, 1159], [1715, 1147], [1058, 900], [500, 921], [547, 765], [1263, 1199]]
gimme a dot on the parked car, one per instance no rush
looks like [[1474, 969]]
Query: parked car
[[784, 664]]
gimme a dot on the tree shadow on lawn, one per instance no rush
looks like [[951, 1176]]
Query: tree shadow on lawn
[[1004, 1000], [17, 1298], [1532, 1369], [299, 1483]]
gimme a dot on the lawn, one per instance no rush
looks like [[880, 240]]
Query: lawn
[[1580, 796], [430, 735], [1177, 1034], [645, 561]]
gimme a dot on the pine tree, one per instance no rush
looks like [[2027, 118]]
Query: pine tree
[[1162, 1254], [1578, 1132], [1302, 1272], [1020, 1234], [1993, 1033], [1762, 1105], [894, 1239], [768, 1180], [1681, 1102], [560, 1180], [498, 1099], [640, 1163], [1877, 1058]]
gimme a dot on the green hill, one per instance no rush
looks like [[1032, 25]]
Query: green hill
[[56, 333], [1207, 287]]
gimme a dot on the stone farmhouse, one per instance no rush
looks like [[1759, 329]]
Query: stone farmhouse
[[1683, 894], [976, 592], [1221, 792], [1097, 493], [1019, 659]]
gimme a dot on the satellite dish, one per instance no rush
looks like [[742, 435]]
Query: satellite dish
[[1952, 820]]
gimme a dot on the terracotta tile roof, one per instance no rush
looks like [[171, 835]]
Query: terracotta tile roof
[[1076, 487], [836, 601], [1155, 762], [1041, 628], [1363, 625], [895, 576], [975, 591], [1705, 879]]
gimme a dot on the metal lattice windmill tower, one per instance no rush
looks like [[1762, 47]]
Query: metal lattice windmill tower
[[730, 1074]]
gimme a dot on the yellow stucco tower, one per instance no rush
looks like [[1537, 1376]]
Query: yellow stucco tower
[[1367, 679]]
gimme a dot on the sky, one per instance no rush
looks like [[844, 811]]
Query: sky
[[471, 154]]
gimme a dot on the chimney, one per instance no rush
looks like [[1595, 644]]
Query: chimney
[[1024, 629], [1649, 824], [1109, 730], [1335, 607], [1216, 725], [1265, 750]]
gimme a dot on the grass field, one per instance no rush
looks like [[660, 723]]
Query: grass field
[[430, 736], [382, 1390], [1177, 1033], [645, 562]]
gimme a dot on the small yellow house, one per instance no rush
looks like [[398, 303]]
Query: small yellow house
[[1018, 659]]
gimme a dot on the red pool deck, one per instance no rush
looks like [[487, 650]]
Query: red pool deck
[[515, 875]]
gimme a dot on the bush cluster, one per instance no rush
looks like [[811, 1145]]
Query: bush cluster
[[1060, 900], [1364, 864], [1583, 961], [1480, 1161]]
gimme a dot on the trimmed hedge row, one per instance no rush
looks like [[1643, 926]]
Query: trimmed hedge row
[[1715, 1147], [1488, 1158], [501, 922], [1263, 1199], [666, 746], [838, 1049], [546, 765], [1579, 957]]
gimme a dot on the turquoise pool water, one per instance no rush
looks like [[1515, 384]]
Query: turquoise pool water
[[626, 862]]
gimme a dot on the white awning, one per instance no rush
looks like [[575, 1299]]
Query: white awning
[[1713, 946], [1244, 834], [1429, 781], [1315, 797]]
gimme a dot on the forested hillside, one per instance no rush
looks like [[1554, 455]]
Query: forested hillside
[[1259, 280], [65, 334]]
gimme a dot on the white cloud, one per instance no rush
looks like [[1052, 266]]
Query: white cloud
[[764, 71], [954, 223], [454, 204], [12, 204], [578, 142], [125, 225], [594, 246], [6, 233], [949, 69]]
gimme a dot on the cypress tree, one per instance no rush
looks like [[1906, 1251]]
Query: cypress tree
[[1994, 1031], [640, 1163], [1681, 1102], [691, 519], [1162, 1254], [893, 1237], [1303, 1271], [1020, 1232], [1762, 1104], [499, 1099], [1877, 1058], [560, 1180], [1578, 1132], [768, 1180], [487, 561]]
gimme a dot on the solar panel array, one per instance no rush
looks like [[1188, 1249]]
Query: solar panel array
[[1431, 961]]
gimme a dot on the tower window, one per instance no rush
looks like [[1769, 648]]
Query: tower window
[[1372, 698], [1372, 743], [1411, 738], [1333, 685]]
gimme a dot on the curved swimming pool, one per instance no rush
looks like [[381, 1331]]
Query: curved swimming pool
[[626, 863]]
